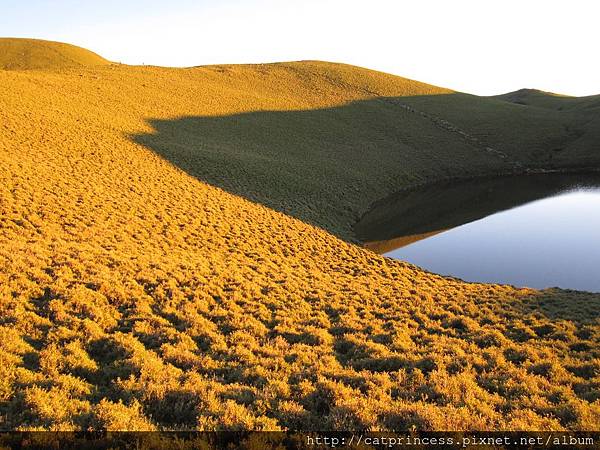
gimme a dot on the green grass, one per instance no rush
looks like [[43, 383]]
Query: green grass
[[549, 100], [326, 165]]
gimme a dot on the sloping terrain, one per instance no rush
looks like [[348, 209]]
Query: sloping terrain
[[160, 266], [579, 137], [27, 54], [549, 100]]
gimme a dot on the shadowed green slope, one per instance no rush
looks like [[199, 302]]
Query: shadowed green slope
[[326, 165]]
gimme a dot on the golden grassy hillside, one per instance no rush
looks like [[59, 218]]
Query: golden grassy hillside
[[160, 267], [23, 54]]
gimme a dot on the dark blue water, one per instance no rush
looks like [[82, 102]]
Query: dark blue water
[[550, 242]]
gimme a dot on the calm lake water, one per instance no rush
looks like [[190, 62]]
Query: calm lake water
[[536, 230]]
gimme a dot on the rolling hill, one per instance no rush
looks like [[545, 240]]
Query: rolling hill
[[31, 54], [176, 252], [549, 100]]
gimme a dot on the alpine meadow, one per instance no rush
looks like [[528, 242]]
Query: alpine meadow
[[177, 252]]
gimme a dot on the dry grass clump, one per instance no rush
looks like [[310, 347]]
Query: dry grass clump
[[136, 297]]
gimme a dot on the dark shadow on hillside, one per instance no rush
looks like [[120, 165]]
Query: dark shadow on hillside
[[326, 166]]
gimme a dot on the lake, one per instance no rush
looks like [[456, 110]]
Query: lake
[[531, 230]]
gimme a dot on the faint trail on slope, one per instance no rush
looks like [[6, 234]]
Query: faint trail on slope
[[438, 122], [447, 126]]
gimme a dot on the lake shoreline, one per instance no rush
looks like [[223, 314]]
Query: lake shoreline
[[463, 178], [538, 231]]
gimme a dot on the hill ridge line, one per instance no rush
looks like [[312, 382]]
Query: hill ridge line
[[438, 122]]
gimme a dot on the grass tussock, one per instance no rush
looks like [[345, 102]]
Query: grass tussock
[[134, 296]]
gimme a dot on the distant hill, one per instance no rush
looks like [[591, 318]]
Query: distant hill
[[26, 54], [542, 99]]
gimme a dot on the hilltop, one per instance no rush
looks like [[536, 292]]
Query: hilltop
[[29, 54], [176, 253], [549, 100]]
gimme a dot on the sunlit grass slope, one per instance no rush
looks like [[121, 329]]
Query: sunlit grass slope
[[24, 54], [136, 295]]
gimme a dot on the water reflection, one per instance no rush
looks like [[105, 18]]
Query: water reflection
[[536, 230]]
